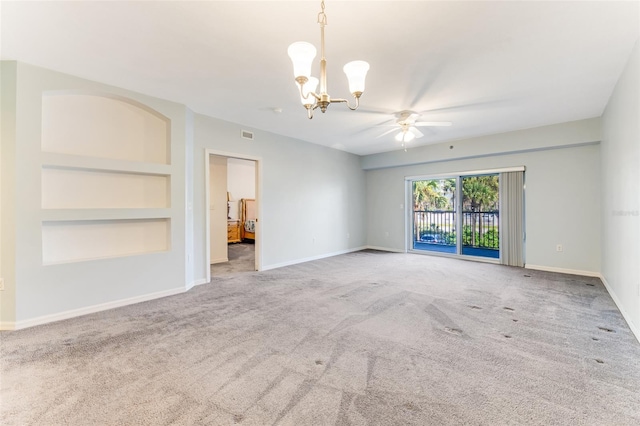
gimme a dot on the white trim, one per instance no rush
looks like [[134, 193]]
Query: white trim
[[309, 259], [46, 319], [563, 270], [627, 317], [258, 197], [219, 260], [468, 173], [195, 283], [390, 250]]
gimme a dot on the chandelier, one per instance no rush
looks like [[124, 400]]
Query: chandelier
[[302, 55]]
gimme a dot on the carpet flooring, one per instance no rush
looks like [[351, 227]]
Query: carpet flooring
[[367, 338], [242, 259]]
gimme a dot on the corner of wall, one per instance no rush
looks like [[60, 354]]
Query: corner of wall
[[620, 192], [8, 84]]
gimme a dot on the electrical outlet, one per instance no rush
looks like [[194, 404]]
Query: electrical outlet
[[386, 234], [1, 284], [348, 235], [559, 247]]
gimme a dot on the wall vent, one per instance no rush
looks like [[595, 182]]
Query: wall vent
[[246, 134]]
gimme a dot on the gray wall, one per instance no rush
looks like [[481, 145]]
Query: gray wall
[[313, 205], [620, 154], [36, 292], [561, 199], [311, 196]]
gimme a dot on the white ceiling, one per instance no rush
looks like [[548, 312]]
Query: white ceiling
[[489, 67]]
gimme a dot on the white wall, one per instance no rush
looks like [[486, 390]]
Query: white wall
[[621, 192], [8, 85], [561, 199], [553, 136], [311, 196], [39, 293], [241, 183], [218, 251]]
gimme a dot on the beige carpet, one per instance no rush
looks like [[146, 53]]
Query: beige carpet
[[368, 338]]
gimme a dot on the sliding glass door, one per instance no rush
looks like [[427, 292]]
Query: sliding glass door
[[481, 216], [434, 215], [442, 207]]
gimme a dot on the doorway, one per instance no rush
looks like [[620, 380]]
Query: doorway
[[232, 190]]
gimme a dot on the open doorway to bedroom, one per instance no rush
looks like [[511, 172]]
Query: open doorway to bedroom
[[232, 216]]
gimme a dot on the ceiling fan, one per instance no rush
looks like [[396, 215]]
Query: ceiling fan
[[407, 126]]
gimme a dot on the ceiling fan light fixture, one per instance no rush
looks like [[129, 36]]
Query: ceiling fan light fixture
[[405, 136]]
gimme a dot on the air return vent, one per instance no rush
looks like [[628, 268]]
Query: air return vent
[[246, 134]]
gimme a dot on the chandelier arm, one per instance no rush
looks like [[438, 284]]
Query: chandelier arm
[[314, 94], [346, 101]]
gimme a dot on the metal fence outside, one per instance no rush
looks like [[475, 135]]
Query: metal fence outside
[[479, 229]]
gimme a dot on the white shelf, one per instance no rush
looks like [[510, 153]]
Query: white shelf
[[69, 215], [79, 162], [81, 240]]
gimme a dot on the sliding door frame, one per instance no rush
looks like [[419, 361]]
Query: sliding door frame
[[409, 222]]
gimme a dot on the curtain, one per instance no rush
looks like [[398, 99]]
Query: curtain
[[512, 213]]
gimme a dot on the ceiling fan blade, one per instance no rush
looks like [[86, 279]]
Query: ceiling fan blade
[[432, 123], [416, 132], [387, 132]]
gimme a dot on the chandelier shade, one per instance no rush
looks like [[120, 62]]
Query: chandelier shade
[[302, 55], [356, 72]]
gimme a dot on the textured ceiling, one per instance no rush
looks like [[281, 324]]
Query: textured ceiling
[[488, 67]]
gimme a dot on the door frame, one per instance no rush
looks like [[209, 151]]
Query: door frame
[[258, 198], [458, 175]]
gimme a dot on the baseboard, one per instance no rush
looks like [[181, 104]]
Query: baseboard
[[7, 326], [635, 330], [309, 259], [46, 319], [392, 250], [195, 283], [218, 260], [563, 270]]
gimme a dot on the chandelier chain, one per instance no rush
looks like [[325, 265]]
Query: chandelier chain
[[322, 17]]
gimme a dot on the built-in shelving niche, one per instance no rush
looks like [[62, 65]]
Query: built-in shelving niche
[[106, 178], [73, 241]]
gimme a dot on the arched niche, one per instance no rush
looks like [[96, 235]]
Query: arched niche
[[104, 126]]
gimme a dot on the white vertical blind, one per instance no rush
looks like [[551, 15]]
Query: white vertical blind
[[511, 211]]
